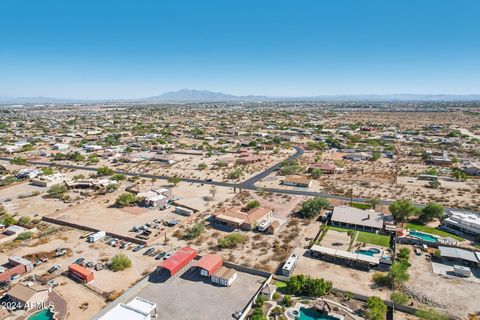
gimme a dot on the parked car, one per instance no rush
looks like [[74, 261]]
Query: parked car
[[54, 268], [169, 254], [148, 251], [138, 248], [160, 256], [14, 276], [79, 261], [89, 264]]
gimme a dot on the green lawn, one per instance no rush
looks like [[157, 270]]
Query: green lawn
[[373, 238], [280, 284], [434, 231], [359, 205], [367, 237]]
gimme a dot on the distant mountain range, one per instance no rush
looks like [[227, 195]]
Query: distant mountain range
[[191, 95]]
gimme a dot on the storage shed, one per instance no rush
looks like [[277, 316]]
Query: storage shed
[[209, 264], [178, 260], [224, 276]]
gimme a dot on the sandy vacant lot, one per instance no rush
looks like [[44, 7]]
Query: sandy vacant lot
[[456, 296]]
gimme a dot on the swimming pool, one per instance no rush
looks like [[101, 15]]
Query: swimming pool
[[368, 252], [308, 314], [423, 236], [44, 314]]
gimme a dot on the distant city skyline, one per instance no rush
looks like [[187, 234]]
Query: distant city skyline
[[129, 49]]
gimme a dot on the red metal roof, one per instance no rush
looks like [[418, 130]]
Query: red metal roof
[[179, 260], [80, 271], [210, 262]]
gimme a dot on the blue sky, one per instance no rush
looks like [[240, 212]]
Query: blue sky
[[128, 49]]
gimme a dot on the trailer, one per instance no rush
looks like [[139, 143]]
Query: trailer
[[461, 271], [96, 236], [183, 211]]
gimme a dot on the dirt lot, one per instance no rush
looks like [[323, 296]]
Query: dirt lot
[[76, 296], [342, 277], [457, 296], [99, 213]]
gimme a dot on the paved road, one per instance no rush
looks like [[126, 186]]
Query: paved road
[[248, 184]]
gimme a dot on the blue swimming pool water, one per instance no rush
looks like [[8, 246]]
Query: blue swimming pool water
[[368, 252], [45, 314], [423, 236], [307, 314]]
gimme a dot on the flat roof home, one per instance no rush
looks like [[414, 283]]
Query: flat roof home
[[236, 218], [297, 181], [354, 218], [137, 309], [464, 221]]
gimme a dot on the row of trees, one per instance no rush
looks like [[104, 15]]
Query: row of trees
[[403, 209], [308, 286]]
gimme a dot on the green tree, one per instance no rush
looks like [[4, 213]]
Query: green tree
[[195, 231], [18, 161], [24, 219], [24, 236], [287, 301], [376, 156], [295, 284], [459, 175], [78, 177], [316, 173], [252, 204], [202, 166], [125, 199], [316, 287], [8, 220], [236, 174], [376, 308], [57, 190], [431, 211], [118, 177], [431, 314], [174, 180], [398, 274], [232, 240], [311, 208], [105, 171], [403, 255], [402, 210], [120, 262], [48, 171], [434, 184], [111, 187], [399, 297], [374, 202]]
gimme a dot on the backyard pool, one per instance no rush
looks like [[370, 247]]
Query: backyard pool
[[45, 314], [368, 252], [308, 314], [423, 236]]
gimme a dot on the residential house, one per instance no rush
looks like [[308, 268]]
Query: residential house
[[297, 181], [354, 218], [237, 218]]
